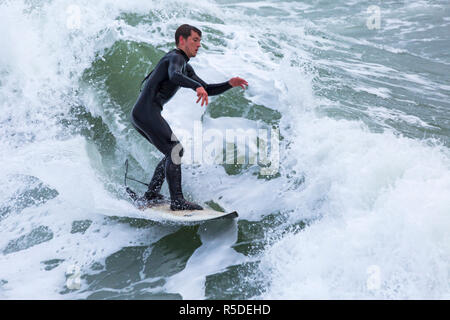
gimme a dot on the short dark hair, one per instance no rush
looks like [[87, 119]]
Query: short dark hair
[[185, 31]]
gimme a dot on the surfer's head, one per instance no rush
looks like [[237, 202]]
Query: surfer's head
[[187, 38]]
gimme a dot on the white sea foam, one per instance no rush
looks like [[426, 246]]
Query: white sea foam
[[386, 204], [381, 92], [377, 202]]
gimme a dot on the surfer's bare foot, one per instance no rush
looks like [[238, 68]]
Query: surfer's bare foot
[[182, 204]]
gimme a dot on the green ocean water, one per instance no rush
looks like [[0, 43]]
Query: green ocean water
[[316, 71]]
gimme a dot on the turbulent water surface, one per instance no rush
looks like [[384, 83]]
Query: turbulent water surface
[[358, 208]]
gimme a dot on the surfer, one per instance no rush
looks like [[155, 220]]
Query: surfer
[[172, 72]]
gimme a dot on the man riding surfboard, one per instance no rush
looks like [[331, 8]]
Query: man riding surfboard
[[172, 72]]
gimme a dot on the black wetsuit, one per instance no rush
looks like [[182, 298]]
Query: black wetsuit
[[172, 72]]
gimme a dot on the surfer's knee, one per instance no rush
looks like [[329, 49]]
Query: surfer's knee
[[175, 154]]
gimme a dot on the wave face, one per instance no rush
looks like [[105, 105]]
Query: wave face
[[358, 207]]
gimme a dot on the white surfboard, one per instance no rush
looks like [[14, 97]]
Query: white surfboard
[[163, 212]]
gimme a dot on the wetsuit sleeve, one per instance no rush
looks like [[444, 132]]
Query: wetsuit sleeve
[[176, 75], [211, 89]]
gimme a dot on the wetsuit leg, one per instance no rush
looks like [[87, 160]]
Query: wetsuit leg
[[154, 187], [142, 133], [173, 176], [159, 133]]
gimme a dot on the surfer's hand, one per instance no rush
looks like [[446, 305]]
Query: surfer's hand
[[236, 81], [203, 95]]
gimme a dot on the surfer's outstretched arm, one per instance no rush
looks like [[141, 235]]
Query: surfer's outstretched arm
[[211, 89]]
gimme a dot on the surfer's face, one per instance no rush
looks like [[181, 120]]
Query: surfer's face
[[191, 45]]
